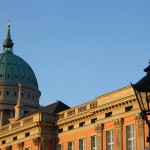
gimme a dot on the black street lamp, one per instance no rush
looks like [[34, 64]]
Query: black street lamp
[[142, 92]]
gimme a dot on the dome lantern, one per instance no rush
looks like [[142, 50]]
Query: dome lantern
[[8, 44]]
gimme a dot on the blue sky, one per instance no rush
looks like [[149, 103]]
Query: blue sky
[[80, 49]]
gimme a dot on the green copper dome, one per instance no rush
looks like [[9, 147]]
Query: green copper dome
[[13, 69]]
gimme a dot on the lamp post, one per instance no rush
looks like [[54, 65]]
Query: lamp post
[[142, 92]]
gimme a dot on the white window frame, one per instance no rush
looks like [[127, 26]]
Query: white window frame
[[110, 139], [130, 137], [61, 146], [70, 145], [27, 148], [93, 142], [82, 145]]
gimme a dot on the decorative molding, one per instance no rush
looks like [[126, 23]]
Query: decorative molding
[[93, 104], [19, 131], [99, 128], [118, 123], [82, 108], [138, 118], [62, 116], [36, 140], [8, 147], [20, 145], [71, 112], [28, 120]]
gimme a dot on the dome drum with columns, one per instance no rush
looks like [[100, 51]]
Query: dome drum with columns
[[14, 71]]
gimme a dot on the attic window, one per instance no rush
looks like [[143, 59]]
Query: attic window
[[109, 114], [15, 138], [4, 142], [15, 76], [70, 127], [93, 120], [81, 124], [60, 130], [128, 108], [27, 134]]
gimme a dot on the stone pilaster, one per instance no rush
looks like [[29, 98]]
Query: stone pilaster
[[45, 143], [8, 148], [118, 134], [140, 127], [36, 142], [20, 145], [99, 137]]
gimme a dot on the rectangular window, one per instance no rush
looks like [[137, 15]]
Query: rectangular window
[[110, 140], [81, 124], [82, 144], [70, 146], [27, 134], [27, 148], [109, 114], [93, 142], [60, 147], [130, 136], [70, 127], [128, 108], [4, 142], [93, 120], [15, 138], [60, 130]]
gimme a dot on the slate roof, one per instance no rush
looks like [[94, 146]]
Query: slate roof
[[53, 108]]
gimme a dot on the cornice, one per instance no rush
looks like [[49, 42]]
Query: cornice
[[93, 112], [18, 130]]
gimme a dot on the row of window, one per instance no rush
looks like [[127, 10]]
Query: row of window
[[82, 144], [18, 77], [81, 124], [130, 141], [108, 114], [15, 138], [15, 94], [128, 108]]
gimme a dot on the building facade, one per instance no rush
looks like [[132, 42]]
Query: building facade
[[110, 122]]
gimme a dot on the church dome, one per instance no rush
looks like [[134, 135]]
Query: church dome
[[13, 69]]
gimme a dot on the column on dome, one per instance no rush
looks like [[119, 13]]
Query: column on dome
[[118, 134], [19, 108], [140, 130], [99, 136]]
